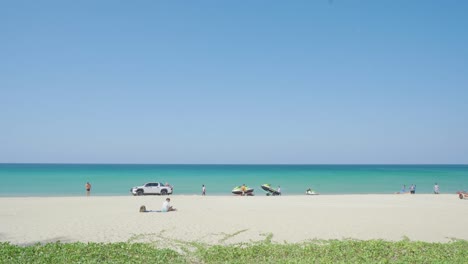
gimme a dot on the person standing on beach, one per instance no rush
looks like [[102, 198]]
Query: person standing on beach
[[88, 188], [412, 189], [279, 190], [436, 188], [403, 189], [203, 190], [243, 189]]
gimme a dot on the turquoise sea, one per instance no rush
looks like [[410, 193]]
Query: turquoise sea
[[117, 179]]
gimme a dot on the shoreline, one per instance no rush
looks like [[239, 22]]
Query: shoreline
[[219, 195], [233, 219]]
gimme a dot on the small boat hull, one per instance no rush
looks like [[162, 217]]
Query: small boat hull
[[269, 190]]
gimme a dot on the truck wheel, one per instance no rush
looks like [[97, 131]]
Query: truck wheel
[[163, 192], [140, 192]]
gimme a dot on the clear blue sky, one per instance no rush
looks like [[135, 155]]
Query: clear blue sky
[[234, 81]]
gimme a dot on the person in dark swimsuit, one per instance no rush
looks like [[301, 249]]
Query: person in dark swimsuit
[[88, 188]]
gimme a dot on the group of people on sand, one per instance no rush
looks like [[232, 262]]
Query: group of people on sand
[[166, 207], [412, 189]]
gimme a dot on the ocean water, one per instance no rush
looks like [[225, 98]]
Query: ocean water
[[117, 179]]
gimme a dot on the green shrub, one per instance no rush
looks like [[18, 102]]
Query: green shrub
[[320, 251], [339, 251], [87, 253]]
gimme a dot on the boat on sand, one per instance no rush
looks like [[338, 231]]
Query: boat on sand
[[238, 190], [270, 191]]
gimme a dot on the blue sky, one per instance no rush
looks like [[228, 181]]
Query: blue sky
[[234, 81]]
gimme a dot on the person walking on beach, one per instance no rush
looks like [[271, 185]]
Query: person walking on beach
[[436, 188], [412, 189], [88, 188], [203, 190]]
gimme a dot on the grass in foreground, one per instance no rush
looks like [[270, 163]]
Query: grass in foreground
[[331, 251]]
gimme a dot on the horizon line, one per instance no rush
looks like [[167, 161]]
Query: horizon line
[[253, 164]]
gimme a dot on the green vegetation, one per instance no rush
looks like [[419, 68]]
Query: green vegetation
[[339, 251], [88, 253], [330, 251]]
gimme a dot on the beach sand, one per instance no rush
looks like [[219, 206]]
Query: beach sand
[[233, 219]]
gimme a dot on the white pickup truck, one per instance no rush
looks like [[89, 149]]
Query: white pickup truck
[[152, 188]]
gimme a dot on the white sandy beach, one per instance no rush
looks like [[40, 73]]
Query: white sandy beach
[[233, 219]]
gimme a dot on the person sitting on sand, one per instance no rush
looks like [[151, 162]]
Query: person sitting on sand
[[166, 207], [402, 191]]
